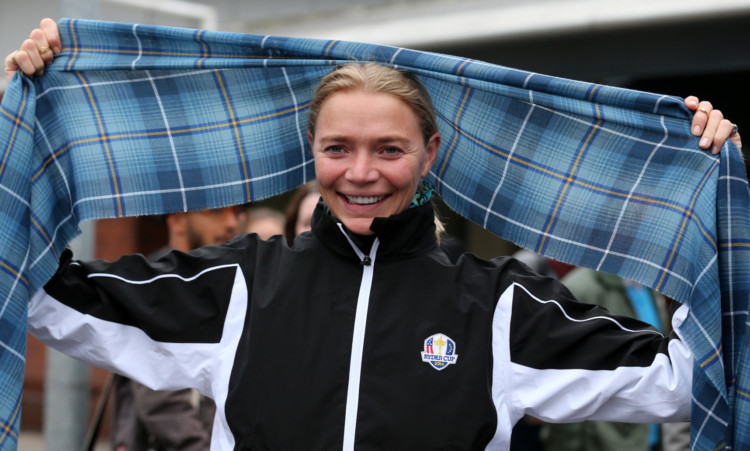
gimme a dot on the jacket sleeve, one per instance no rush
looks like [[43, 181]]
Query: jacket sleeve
[[168, 324], [565, 361]]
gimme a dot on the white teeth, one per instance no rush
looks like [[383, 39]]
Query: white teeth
[[363, 200]]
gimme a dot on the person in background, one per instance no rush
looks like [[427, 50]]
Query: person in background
[[266, 222], [300, 210], [675, 436], [146, 419], [540, 264]]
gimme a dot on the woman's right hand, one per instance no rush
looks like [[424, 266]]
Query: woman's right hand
[[711, 125], [36, 52]]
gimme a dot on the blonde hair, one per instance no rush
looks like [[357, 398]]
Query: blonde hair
[[376, 78]]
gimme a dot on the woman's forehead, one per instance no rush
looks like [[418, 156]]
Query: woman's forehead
[[353, 106]]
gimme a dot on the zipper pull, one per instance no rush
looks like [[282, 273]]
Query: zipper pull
[[366, 261]]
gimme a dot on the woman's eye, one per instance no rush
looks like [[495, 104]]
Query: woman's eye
[[334, 149]]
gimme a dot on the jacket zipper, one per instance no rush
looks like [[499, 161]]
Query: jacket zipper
[[358, 338]]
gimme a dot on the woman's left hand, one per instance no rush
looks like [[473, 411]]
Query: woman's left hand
[[35, 53], [711, 126]]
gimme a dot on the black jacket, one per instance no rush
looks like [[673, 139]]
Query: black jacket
[[323, 345]]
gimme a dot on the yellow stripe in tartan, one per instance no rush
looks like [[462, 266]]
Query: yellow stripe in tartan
[[46, 238], [52, 158], [204, 54], [455, 139], [578, 182], [460, 68], [8, 428], [104, 140], [16, 118], [710, 358], [683, 226], [74, 48], [248, 195], [734, 245], [15, 130], [16, 273], [330, 46], [722, 445], [743, 394], [569, 177]]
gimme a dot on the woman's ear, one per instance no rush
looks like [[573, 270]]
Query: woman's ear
[[432, 147]]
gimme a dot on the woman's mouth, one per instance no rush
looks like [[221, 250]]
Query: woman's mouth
[[363, 200]]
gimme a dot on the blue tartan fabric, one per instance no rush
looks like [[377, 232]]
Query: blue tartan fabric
[[135, 120]]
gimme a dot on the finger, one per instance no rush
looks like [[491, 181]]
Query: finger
[[700, 118], [691, 102], [11, 66], [23, 61], [52, 34], [42, 46], [29, 60], [723, 131], [709, 136]]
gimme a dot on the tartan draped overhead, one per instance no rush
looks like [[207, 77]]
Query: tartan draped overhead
[[135, 120]]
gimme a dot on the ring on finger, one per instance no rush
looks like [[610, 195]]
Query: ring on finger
[[13, 58], [703, 110], [43, 50], [734, 130]]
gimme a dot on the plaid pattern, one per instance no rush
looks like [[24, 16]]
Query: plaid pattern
[[134, 120]]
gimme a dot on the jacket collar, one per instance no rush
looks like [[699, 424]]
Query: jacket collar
[[402, 235]]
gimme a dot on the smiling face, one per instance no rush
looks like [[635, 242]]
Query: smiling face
[[370, 154]]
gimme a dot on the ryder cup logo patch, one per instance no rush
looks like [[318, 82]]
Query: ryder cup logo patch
[[439, 351]]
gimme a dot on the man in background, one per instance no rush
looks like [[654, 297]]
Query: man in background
[[266, 222], [147, 419]]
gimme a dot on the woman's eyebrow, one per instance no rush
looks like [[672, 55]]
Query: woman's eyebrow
[[380, 140], [387, 139], [334, 138]]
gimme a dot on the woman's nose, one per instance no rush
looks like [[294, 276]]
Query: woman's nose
[[362, 168]]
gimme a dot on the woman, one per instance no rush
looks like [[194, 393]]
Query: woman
[[363, 333], [300, 210]]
